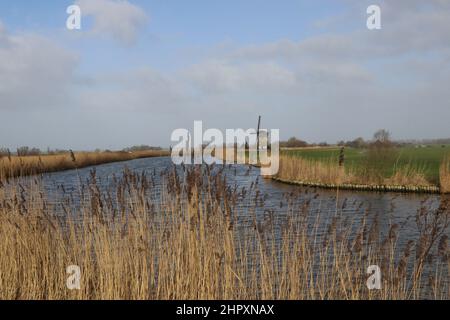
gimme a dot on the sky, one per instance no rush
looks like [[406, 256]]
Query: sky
[[137, 70]]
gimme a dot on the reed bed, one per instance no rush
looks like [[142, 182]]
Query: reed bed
[[192, 238], [14, 166], [444, 175], [331, 174]]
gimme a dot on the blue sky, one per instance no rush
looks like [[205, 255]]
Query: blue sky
[[199, 22], [139, 69], [177, 26]]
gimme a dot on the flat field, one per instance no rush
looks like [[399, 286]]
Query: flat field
[[425, 159]]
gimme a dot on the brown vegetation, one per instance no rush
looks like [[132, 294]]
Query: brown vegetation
[[444, 175], [297, 169], [190, 243], [14, 166]]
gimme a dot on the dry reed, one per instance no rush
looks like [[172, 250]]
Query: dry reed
[[187, 242], [14, 166], [444, 175], [296, 169]]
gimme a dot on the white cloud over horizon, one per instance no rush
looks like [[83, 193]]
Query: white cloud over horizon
[[35, 72], [330, 86]]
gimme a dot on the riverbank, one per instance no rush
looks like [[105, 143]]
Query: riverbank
[[362, 187], [426, 160], [313, 168], [14, 166]]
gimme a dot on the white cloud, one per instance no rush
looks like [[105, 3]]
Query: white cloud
[[118, 19], [221, 76], [34, 71], [359, 79], [336, 85], [143, 90]]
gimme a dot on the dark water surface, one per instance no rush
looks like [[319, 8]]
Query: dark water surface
[[390, 208]]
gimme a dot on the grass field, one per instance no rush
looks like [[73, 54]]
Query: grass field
[[424, 159]]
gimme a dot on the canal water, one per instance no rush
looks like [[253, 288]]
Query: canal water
[[390, 208]]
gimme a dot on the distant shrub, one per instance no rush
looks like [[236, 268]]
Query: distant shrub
[[4, 152], [381, 155], [293, 142], [382, 139], [26, 151], [358, 143], [141, 148]]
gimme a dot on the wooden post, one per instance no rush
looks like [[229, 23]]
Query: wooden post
[[341, 157], [257, 140]]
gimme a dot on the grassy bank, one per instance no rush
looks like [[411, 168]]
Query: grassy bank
[[13, 166], [424, 159], [187, 243], [408, 169]]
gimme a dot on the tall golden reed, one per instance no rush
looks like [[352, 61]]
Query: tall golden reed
[[14, 166], [444, 175], [191, 241]]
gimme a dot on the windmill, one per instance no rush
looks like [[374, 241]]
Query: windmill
[[257, 138]]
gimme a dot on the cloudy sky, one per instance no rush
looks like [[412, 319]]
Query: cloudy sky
[[139, 69]]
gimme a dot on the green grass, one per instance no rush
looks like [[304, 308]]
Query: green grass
[[426, 159]]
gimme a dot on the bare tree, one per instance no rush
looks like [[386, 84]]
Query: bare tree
[[381, 155], [382, 136]]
